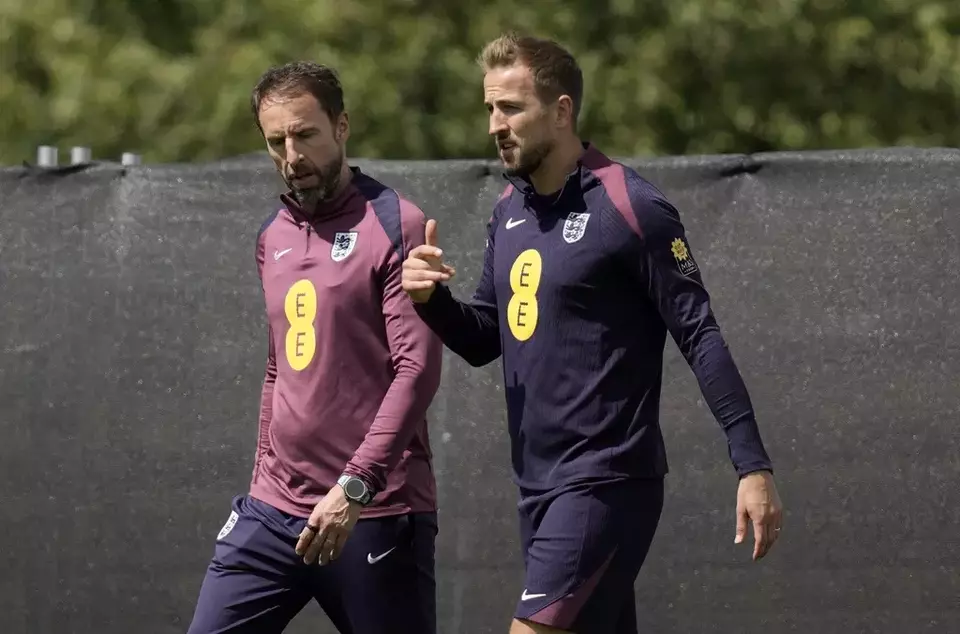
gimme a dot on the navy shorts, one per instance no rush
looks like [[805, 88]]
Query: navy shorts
[[583, 549], [382, 582]]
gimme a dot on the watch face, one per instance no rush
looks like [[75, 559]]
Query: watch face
[[355, 488]]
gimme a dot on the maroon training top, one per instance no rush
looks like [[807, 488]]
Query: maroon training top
[[351, 368]]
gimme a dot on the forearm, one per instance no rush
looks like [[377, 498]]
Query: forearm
[[469, 330], [726, 394], [402, 411]]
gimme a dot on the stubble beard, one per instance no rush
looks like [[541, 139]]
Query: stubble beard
[[529, 160], [328, 178]]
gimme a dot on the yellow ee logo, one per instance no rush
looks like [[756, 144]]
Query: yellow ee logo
[[524, 281], [300, 305]]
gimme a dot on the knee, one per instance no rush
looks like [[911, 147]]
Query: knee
[[523, 626]]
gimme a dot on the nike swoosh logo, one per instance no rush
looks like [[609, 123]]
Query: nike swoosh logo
[[279, 254], [511, 223], [527, 597], [372, 560]]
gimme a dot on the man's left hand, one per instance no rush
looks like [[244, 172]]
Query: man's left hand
[[759, 502], [328, 528]]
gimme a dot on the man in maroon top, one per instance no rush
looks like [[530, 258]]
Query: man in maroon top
[[342, 502]]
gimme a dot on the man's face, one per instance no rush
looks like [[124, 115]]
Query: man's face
[[306, 147], [520, 123]]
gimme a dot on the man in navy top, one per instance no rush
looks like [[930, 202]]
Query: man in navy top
[[342, 501], [587, 268]]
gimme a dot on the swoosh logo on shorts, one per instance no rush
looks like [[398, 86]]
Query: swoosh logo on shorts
[[372, 560], [527, 597]]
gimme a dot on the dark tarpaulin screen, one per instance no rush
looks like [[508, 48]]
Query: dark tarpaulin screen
[[133, 345]]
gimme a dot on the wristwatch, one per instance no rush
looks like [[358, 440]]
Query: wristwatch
[[355, 489]]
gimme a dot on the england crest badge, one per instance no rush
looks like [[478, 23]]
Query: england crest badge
[[343, 244], [574, 227]]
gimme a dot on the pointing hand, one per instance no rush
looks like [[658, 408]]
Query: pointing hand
[[424, 268]]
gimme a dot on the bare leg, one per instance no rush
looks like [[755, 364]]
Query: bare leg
[[529, 627]]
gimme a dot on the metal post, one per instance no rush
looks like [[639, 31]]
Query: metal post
[[80, 155], [129, 158], [47, 156]]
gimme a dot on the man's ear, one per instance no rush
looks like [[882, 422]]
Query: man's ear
[[565, 117]]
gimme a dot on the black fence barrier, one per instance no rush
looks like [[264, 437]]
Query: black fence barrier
[[133, 341]]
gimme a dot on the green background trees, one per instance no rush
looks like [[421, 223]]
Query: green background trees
[[170, 79]]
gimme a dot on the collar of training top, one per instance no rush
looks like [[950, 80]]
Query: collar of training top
[[326, 208], [579, 179]]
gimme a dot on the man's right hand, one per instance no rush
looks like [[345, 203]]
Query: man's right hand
[[424, 267]]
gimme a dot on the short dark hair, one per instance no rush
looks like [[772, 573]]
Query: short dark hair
[[555, 70], [296, 78]]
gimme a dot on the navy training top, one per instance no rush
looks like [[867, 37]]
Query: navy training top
[[577, 293]]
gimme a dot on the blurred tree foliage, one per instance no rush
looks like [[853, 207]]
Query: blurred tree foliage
[[170, 79]]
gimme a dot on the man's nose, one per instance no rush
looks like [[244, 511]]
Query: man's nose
[[292, 151], [498, 126]]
